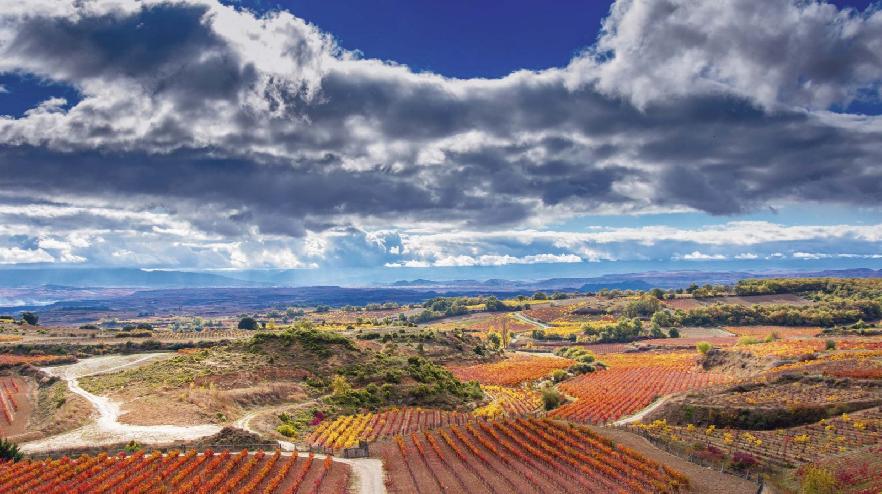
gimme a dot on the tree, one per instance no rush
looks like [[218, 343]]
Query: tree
[[9, 450], [674, 333], [645, 306], [248, 322], [657, 293], [495, 340], [663, 318], [30, 318], [540, 296], [703, 347]]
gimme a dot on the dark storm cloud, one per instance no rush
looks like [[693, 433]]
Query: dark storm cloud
[[165, 48]]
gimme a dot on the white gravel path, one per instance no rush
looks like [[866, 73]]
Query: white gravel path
[[107, 429]]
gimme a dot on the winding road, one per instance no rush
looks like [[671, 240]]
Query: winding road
[[642, 413], [106, 429]]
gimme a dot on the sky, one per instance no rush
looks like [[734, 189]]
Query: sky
[[430, 138]]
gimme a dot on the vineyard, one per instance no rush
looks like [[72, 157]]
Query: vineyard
[[631, 383], [782, 447], [780, 331], [205, 334], [509, 402], [483, 322], [795, 394], [348, 430], [192, 472], [512, 371], [552, 312], [9, 388], [797, 347], [690, 342], [520, 456], [853, 473]]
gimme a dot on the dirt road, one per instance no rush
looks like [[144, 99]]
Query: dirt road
[[642, 413], [107, 429]]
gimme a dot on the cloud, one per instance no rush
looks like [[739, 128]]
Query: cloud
[[808, 53], [238, 140], [700, 256], [15, 255], [488, 260]]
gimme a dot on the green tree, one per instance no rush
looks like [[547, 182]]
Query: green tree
[[248, 322], [540, 296], [644, 306], [495, 340], [30, 318], [9, 450]]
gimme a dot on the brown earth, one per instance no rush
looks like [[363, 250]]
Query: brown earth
[[702, 480]]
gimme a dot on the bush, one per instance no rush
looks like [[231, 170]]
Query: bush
[[817, 481], [558, 375], [9, 450], [747, 340], [551, 398], [248, 322], [674, 333], [703, 347], [830, 345], [742, 460], [645, 306]]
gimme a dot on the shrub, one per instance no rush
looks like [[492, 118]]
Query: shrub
[[830, 345], [9, 450], [558, 375], [742, 460], [248, 322], [747, 340], [703, 347], [551, 398], [674, 333], [645, 306], [817, 481]]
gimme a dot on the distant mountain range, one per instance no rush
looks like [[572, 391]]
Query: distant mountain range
[[114, 277], [632, 281]]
